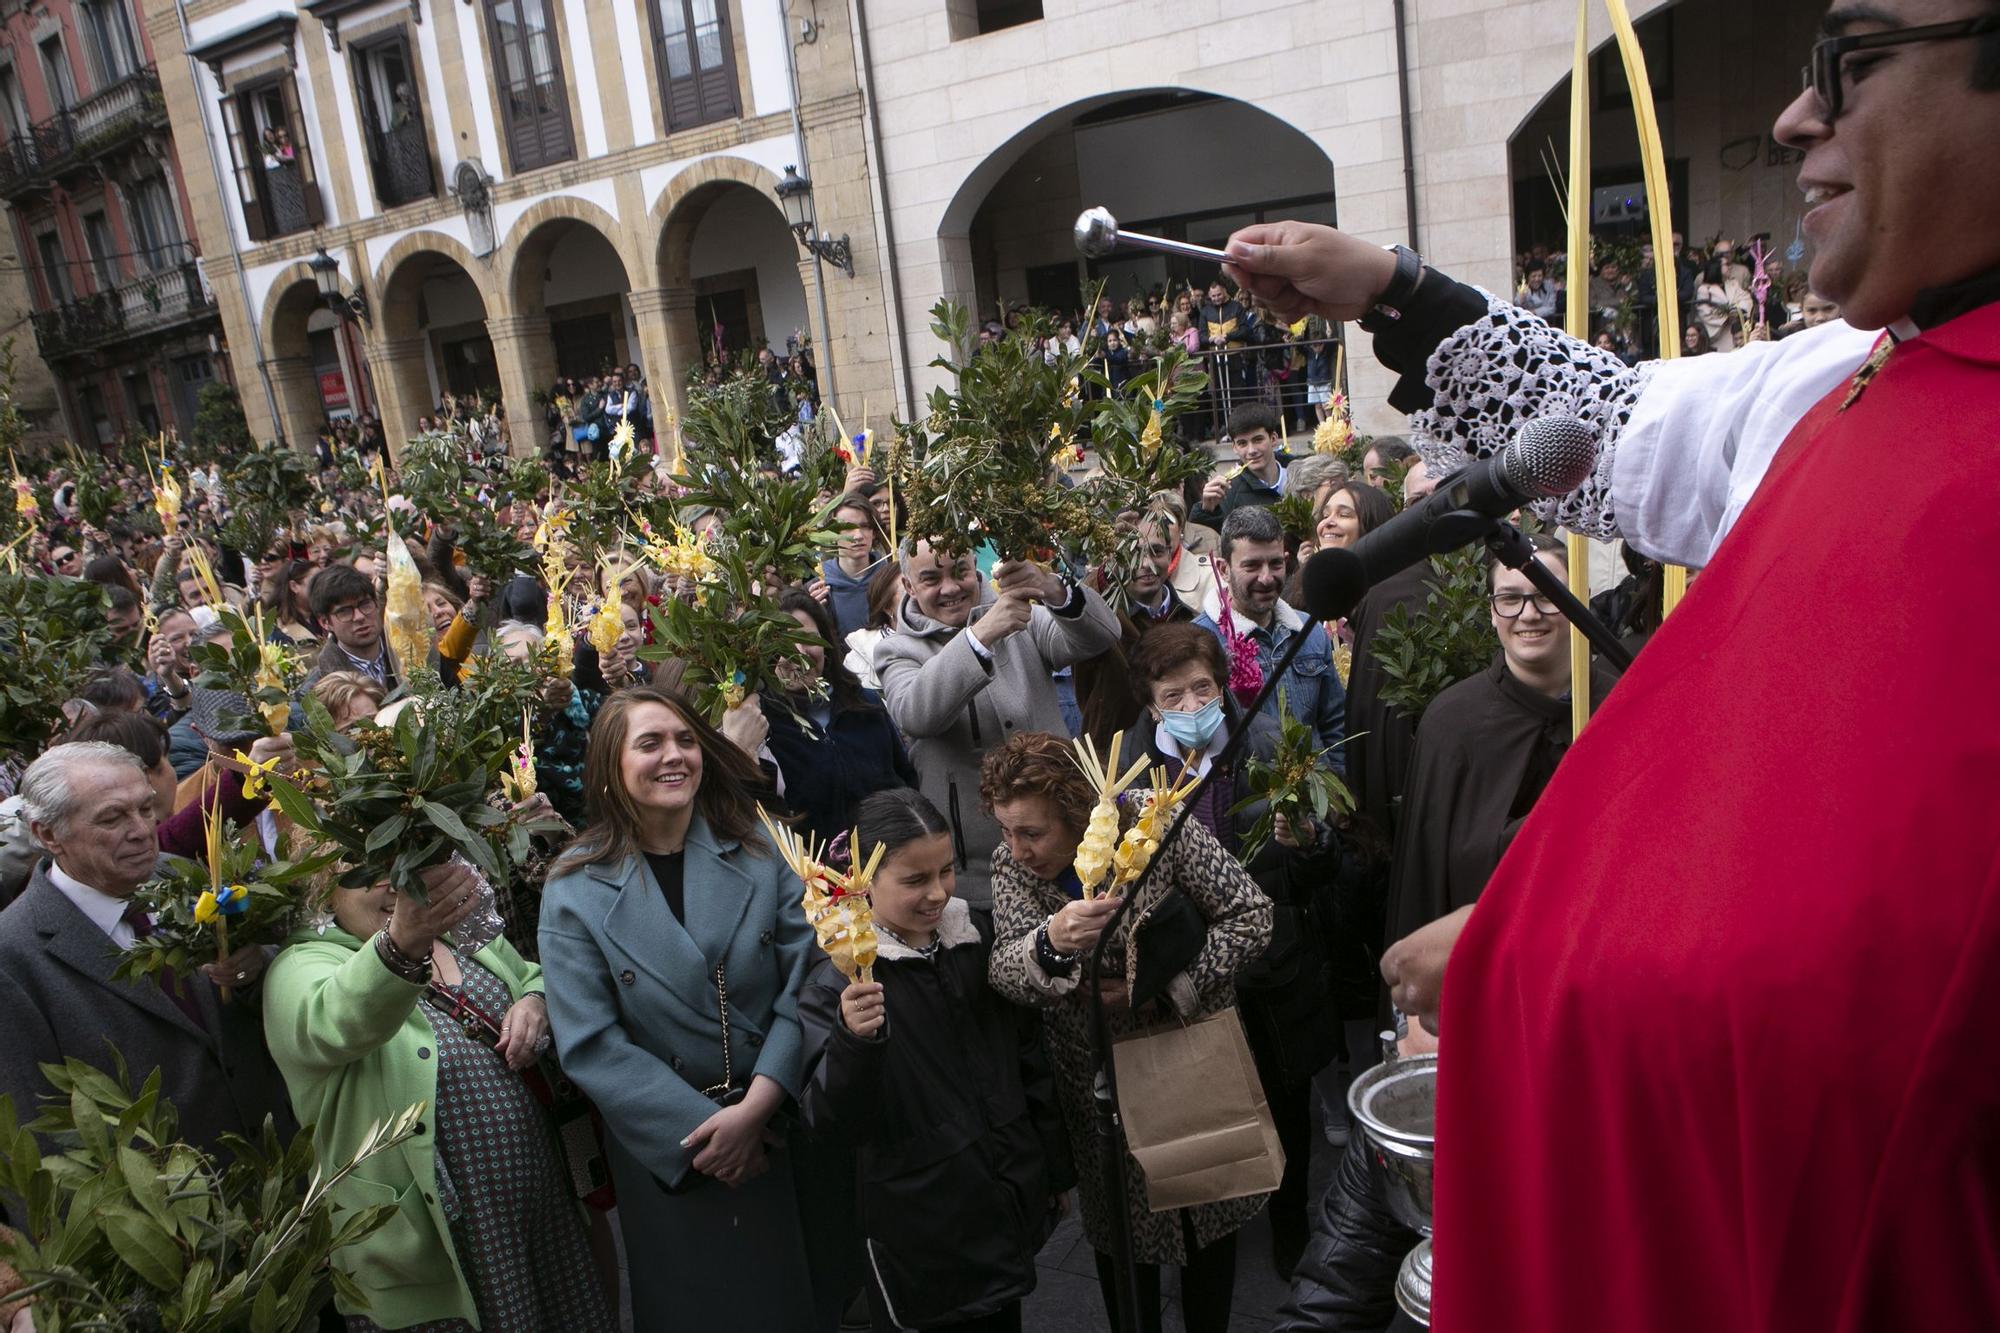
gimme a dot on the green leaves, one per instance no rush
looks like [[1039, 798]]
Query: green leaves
[[52, 635], [1294, 783], [394, 801], [181, 941], [985, 463], [261, 487], [1448, 640], [472, 497], [127, 1228]]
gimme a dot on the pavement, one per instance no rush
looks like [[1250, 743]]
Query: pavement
[[1066, 1298]]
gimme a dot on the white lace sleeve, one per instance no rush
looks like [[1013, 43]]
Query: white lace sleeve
[[1510, 367], [1683, 444]]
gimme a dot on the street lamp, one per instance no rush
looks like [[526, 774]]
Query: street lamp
[[326, 273], [795, 197]]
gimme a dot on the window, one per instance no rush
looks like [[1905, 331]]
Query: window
[[103, 253], [392, 118], [533, 103], [975, 18], [107, 36], [55, 73], [55, 267], [156, 228], [275, 181], [13, 113], [697, 63]]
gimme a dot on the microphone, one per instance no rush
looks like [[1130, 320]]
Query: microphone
[[1547, 457]]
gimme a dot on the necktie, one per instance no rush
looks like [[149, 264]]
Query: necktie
[[141, 922]]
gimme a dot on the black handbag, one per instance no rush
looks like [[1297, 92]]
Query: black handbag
[[1167, 943]]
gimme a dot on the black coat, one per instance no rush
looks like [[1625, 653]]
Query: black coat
[[950, 1114], [829, 773], [1380, 739], [1486, 748], [59, 998], [1286, 995], [1346, 1280]]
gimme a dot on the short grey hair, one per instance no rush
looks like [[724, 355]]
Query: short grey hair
[[48, 788], [1308, 474], [1249, 523]]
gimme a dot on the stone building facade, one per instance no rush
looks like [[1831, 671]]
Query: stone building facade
[[515, 189], [123, 326]]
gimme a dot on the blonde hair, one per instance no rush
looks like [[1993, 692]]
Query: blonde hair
[[339, 689]]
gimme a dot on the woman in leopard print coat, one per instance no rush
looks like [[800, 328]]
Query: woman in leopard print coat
[[1183, 963]]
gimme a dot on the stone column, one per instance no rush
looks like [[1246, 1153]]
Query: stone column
[[300, 412], [668, 347], [524, 351], [402, 386]]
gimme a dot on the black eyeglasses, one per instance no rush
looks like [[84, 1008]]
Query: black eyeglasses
[[1822, 73], [1509, 605]]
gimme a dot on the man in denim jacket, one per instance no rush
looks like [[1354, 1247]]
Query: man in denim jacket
[[1253, 559]]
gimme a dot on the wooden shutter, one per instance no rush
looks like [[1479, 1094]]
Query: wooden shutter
[[288, 89], [696, 61], [532, 95], [239, 160]]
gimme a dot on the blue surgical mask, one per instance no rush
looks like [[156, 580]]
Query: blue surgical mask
[[1194, 730]]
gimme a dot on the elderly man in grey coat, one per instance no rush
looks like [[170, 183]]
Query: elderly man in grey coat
[[969, 664], [90, 805]]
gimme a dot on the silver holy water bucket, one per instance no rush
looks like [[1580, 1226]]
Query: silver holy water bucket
[[1395, 1103]]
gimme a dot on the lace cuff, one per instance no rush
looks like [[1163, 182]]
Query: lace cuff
[[1509, 367]]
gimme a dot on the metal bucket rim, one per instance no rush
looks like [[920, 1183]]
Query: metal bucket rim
[[1362, 1090]]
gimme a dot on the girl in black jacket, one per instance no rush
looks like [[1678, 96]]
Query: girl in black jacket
[[937, 1086]]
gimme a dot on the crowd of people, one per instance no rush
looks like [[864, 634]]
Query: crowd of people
[[1727, 295], [793, 1136], [935, 718], [1249, 354]]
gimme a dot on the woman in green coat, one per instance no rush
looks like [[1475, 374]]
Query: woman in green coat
[[374, 1011]]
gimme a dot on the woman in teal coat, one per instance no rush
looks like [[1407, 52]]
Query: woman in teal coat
[[366, 1015], [674, 949]]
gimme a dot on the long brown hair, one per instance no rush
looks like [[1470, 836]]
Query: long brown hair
[[726, 796]]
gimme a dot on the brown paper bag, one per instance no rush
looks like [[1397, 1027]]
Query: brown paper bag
[[1194, 1113]]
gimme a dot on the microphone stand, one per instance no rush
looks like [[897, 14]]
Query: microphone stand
[[1511, 547], [1111, 1141]]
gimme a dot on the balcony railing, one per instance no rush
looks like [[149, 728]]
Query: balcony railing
[[131, 106], [79, 135], [145, 304]]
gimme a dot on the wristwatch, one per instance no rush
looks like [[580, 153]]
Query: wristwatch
[[1388, 308]]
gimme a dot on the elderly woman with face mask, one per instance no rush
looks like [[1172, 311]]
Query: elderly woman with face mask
[[374, 1008], [1287, 1000]]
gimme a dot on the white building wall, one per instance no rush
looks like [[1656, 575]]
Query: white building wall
[[954, 114]]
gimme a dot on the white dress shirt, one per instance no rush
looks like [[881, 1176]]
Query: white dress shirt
[[105, 912]]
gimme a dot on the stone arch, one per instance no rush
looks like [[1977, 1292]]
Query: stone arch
[[289, 302], [1717, 122], [686, 200], [533, 235], [1009, 147], [395, 269]]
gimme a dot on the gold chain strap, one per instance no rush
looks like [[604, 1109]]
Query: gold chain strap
[[722, 1009]]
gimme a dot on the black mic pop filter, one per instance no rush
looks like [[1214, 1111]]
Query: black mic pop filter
[[1331, 582], [1547, 457]]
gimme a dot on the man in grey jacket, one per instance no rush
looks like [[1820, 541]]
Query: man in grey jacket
[[967, 665]]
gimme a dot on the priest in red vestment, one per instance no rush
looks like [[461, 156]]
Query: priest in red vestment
[[1716, 1039]]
